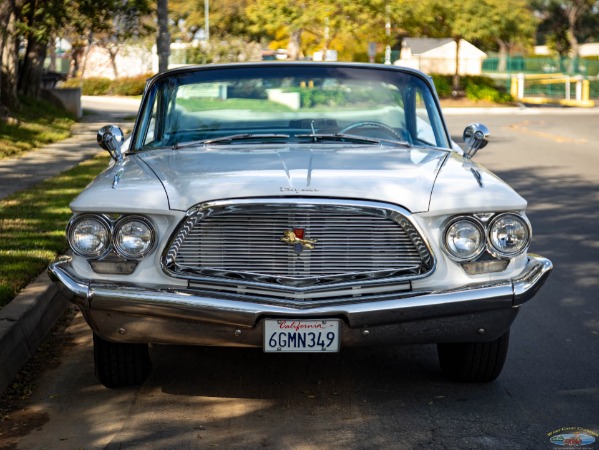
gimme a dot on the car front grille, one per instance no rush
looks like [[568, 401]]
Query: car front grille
[[262, 243]]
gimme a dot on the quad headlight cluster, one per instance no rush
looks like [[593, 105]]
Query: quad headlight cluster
[[504, 235], [94, 236]]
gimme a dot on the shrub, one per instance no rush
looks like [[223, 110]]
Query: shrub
[[106, 86], [477, 88], [231, 50], [129, 85], [89, 86], [483, 88], [443, 85]]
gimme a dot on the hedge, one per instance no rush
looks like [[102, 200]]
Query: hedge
[[106, 86]]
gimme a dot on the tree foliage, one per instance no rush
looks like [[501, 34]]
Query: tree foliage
[[309, 25], [34, 25], [567, 23], [226, 18], [443, 19], [301, 26], [505, 25]]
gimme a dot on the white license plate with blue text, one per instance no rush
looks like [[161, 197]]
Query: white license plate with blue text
[[302, 336]]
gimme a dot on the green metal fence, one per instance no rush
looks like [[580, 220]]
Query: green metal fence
[[512, 65], [503, 72]]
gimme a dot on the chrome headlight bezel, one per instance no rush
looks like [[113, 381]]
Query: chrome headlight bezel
[[118, 234], [477, 226], [487, 222], [105, 226], [493, 245]]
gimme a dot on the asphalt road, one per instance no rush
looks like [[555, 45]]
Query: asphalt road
[[390, 397]]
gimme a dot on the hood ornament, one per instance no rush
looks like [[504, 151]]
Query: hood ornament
[[296, 239]]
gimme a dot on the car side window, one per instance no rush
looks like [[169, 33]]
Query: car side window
[[421, 110], [150, 136]]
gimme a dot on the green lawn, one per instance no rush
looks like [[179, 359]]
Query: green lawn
[[35, 124], [32, 226], [209, 104]]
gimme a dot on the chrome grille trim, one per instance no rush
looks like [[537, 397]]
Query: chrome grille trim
[[238, 243]]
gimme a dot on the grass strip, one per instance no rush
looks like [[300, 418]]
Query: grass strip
[[33, 223], [35, 124]]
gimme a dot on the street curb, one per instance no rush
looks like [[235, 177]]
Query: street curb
[[516, 110], [25, 322], [28, 319]]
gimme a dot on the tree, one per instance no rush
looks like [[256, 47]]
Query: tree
[[566, 23], [8, 56], [227, 19], [110, 24], [506, 24], [442, 19], [574, 11], [309, 25], [39, 22]]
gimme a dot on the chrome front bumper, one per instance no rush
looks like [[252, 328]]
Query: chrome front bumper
[[131, 313]]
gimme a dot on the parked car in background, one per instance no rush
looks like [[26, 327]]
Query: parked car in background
[[297, 207]]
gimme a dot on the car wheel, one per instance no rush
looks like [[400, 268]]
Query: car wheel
[[474, 361], [119, 364]]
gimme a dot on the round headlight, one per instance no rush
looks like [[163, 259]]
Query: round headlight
[[464, 239], [509, 234], [89, 236], [134, 237]]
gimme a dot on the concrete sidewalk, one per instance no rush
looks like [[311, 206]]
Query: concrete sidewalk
[[27, 319]]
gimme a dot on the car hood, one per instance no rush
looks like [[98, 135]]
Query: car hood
[[389, 174], [419, 180]]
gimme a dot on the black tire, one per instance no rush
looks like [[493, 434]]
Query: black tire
[[477, 362], [119, 364]]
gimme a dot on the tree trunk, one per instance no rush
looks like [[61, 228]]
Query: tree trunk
[[5, 13], [8, 56], [294, 45], [33, 66], [503, 55], [163, 41], [88, 49], [573, 49], [456, 76], [52, 48], [113, 52], [574, 11]]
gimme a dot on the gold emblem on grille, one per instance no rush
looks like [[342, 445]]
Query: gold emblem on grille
[[296, 239]]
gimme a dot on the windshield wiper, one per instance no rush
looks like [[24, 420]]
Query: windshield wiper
[[351, 138], [233, 137]]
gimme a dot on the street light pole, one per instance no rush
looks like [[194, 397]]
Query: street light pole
[[207, 20], [388, 36]]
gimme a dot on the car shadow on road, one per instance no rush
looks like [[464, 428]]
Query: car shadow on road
[[251, 373]]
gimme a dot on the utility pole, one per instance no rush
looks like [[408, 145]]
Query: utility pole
[[207, 20], [387, 36], [163, 40]]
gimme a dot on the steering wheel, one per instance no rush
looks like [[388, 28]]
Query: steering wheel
[[373, 124]]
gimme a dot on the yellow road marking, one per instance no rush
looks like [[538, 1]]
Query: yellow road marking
[[522, 127]]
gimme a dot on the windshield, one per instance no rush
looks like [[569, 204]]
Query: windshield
[[289, 102]]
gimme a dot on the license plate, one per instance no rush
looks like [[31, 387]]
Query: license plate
[[302, 336]]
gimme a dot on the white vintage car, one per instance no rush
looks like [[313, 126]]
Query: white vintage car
[[297, 207]]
